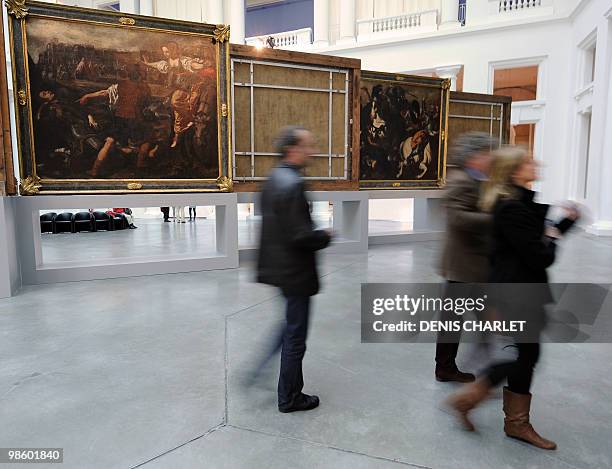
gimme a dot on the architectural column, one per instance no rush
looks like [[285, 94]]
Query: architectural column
[[601, 205], [235, 17], [450, 73], [321, 23], [599, 189], [146, 7], [213, 12], [347, 21], [449, 14]]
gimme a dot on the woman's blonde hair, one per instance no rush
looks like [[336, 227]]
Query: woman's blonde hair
[[506, 160]]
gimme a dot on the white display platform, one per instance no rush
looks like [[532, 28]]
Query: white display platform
[[350, 219], [428, 220], [10, 276], [21, 260], [35, 271]]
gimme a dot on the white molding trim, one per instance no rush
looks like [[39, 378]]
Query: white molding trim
[[540, 61], [465, 31], [416, 71], [259, 3], [578, 9], [533, 104], [588, 89], [588, 40]]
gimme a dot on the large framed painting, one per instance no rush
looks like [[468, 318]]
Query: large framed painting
[[272, 88], [403, 131], [108, 102]]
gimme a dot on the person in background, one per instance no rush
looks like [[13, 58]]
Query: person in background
[[287, 259], [524, 247], [465, 256], [166, 212], [127, 213], [192, 209], [179, 214]]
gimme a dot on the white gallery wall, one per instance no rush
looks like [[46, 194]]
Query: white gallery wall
[[590, 101]]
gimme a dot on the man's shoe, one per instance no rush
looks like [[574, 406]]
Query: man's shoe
[[467, 398], [302, 402], [453, 374]]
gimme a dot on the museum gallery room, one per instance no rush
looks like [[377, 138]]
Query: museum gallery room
[[306, 234]]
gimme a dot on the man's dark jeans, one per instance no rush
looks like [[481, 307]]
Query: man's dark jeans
[[291, 381], [290, 339], [447, 344]]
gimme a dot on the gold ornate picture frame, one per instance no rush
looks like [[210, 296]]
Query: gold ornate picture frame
[[112, 103], [403, 132]]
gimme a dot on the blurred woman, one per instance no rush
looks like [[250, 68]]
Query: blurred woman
[[524, 247]]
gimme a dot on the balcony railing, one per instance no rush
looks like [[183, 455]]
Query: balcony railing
[[412, 23], [513, 5], [286, 40]]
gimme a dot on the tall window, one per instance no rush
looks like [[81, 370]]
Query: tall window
[[521, 83], [523, 134]]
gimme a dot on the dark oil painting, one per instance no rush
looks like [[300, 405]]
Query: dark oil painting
[[400, 131], [116, 103]]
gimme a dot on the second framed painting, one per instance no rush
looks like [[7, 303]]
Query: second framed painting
[[403, 131], [109, 102]]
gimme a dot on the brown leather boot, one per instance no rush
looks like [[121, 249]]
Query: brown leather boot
[[516, 422], [468, 397]]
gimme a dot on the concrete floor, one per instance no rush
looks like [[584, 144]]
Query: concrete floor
[[147, 372], [156, 239]]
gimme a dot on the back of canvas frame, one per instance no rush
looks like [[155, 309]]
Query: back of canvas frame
[[275, 88], [472, 112]]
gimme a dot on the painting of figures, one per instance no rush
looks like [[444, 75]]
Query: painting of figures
[[402, 124], [122, 103]]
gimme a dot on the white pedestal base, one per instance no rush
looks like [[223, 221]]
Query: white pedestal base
[[10, 276], [602, 228], [34, 271]]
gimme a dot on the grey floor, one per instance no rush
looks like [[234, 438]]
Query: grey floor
[[148, 372], [154, 238]]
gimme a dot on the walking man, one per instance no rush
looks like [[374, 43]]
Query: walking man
[[465, 256], [287, 259]]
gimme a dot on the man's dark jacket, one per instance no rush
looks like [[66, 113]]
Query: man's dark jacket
[[467, 245], [288, 239]]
